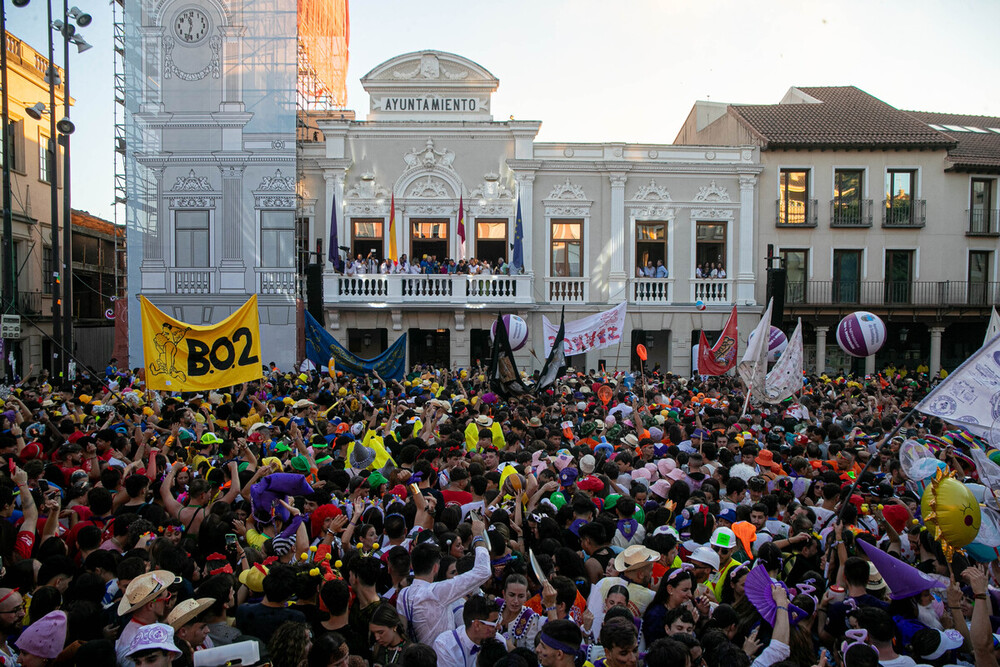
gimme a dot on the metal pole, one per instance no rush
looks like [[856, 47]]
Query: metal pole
[[9, 270], [67, 272], [57, 360]]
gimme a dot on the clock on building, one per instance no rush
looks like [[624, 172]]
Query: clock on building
[[191, 26]]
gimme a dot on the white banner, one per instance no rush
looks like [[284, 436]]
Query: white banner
[[752, 369], [785, 379], [589, 333], [994, 328], [970, 397]]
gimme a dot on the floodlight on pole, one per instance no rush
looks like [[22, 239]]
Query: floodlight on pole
[[65, 126], [82, 18], [20, 3], [36, 111]]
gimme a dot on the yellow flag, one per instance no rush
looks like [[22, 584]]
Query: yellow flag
[[392, 229], [186, 357]]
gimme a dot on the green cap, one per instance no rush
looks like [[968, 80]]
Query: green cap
[[282, 447], [611, 501], [558, 499], [375, 479], [300, 463], [210, 439]]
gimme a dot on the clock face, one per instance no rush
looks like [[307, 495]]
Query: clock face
[[191, 26]]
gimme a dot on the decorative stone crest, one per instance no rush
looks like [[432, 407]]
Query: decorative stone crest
[[367, 188], [491, 188], [567, 190], [429, 157], [712, 193], [711, 214], [654, 213], [651, 192], [192, 202], [430, 67], [428, 188], [277, 183], [192, 183], [431, 210], [275, 202]]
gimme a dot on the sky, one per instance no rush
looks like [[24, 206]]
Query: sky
[[627, 71]]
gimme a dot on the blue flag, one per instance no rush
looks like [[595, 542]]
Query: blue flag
[[517, 260], [334, 241], [321, 347]]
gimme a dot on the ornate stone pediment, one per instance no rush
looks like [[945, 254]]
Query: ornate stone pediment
[[428, 187], [429, 157], [277, 183], [429, 67], [192, 183], [491, 188], [654, 213], [712, 214], [712, 193], [567, 190], [651, 192], [367, 188]]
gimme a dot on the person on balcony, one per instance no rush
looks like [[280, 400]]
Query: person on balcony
[[698, 272], [661, 270], [403, 265], [722, 272], [649, 271]]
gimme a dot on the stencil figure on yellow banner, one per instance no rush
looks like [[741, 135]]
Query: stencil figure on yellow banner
[[186, 357]]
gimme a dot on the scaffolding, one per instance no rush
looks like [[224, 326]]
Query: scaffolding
[[118, 9], [323, 38]]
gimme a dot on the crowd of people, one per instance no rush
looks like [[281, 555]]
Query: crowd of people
[[427, 264], [307, 520]]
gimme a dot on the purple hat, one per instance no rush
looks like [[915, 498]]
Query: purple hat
[[567, 476], [903, 579], [45, 637], [700, 433]]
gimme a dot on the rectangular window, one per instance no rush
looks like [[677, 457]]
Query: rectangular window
[[567, 248], [982, 217], [491, 240], [428, 237], [46, 160], [898, 276], [277, 239], [13, 139], [847, 202], [793, 200], [710, 249], [650, 248], [900, 190], [846, 276], [367, 237], [191, 239], [47, 270], [979, 276], [796, 263]]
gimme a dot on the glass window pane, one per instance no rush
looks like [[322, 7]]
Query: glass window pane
[[566, 231], [794, 191], [491, 229], [368, 229], [277, 220]]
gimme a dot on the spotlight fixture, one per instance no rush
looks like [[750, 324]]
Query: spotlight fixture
[[82, 18], [36, 111]]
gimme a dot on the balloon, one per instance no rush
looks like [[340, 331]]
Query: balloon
[[517, 331], [605, 393], [700, 305], [951, 512], [777, 341], [861, 334], [640, 350]]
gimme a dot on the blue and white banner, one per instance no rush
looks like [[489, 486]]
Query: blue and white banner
[[970, 397], [321, 347]]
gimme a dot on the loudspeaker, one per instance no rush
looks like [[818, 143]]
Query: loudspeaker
[[314, 292], [776, 279]]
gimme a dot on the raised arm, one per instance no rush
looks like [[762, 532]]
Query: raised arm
[[169, 502]]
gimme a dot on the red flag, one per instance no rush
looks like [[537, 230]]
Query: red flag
[[720, 358], [461, 228]]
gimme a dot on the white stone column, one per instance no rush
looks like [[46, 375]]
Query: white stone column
[[152, 74], [936, 350], [232, 68], [821, 349], [617, 277], [152, 243], [745, 257], [232, 268], [525, 194], [334, 179]]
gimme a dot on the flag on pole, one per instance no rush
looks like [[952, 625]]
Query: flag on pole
[[966, 397], [722, 356], [461, 228], [334, 251], [752, 368], [503, 376], [555, 364], [517, 258], [994, 328], [786, 377], [392, 229]]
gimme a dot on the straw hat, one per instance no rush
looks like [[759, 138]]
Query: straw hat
[[187, 611], [635, 557], [145, 588], [484, 421]]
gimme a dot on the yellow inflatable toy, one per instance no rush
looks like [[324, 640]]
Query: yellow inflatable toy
[[951, 512]]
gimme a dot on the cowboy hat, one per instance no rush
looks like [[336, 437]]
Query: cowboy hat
[[187, 611], [484, 421], [303, 403], [145, 588], [635, 557]]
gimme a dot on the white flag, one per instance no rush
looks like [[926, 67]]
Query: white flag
[[786, 377], [970, 396], [994, 328], [753, 367]]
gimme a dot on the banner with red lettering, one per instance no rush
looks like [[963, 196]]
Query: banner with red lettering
[[722, 356], [589, 333]]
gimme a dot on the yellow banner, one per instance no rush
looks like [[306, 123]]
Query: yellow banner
[[185, 357]]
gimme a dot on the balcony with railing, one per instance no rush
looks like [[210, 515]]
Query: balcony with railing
[[567, 290], [851, 214], [902, 213], [892, 293], [404, 289], [712, 291], [796, 213], [276, 281], [650, 290], [30, 303], [192, 281], [983, 222]]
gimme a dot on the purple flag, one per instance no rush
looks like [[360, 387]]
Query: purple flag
[[334, 240]]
